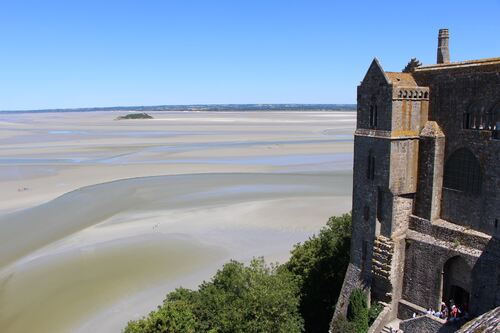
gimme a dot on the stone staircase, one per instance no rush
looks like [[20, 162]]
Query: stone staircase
[[383, 250]]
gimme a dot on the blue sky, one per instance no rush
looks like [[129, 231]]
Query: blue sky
[[58, 54]]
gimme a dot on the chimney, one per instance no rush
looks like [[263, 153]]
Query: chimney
[[443, 54]]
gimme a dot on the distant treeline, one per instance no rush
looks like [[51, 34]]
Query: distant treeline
[[209, 107]]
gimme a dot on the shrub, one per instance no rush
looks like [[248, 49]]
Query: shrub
[[172, 317], [374, 311], [357, 312], [341, 325]]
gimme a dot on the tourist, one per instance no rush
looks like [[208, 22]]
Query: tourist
[[444, 311]]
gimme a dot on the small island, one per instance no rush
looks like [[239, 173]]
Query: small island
[[142, 115]]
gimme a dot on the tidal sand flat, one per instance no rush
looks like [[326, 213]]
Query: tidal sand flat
[[100, 218]]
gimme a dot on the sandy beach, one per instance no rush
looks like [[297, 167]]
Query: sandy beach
[[100, 218]]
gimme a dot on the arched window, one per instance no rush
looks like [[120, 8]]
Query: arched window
[[476, 117], [462, 172]]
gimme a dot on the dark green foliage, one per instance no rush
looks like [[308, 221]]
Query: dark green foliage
[[172, 317], [357, 312], [374, 311], [259, 298], [142, 115], [255, 298], [412, 64], [341, 325], [321, 263]]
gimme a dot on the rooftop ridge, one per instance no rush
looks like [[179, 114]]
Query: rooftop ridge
[[466, 63]]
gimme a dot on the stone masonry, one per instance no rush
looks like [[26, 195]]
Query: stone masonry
[[426, 190]]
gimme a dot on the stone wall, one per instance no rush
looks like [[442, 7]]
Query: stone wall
[[400, 163], [453, 93], [426, 256], [403, 166], [374, 92]]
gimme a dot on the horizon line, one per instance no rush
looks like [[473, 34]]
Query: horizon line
[[197, 107]]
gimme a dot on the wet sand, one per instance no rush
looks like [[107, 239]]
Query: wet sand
[[100, 218]]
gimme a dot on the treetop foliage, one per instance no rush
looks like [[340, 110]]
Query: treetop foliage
[[412, 64], [238, 299], [296, 296]]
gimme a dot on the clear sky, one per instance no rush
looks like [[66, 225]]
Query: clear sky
[[72, 53]]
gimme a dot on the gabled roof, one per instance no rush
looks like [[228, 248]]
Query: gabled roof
[[394, 78], [401, 79], [376, 69]]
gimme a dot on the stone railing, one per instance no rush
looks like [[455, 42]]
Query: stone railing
[[383, 318]]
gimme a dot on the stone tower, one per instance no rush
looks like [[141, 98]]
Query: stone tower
[[426, 200], [443, 51]]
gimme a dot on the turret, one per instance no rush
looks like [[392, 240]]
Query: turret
[[443, 52]]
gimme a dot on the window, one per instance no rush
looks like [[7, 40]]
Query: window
[[495, 121], [477, 118], [380, 205], [370, 170], [373, 116], [462, 172], [467, 121]]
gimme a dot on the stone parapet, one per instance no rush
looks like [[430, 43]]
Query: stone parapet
[[449, 232], [383, 318]]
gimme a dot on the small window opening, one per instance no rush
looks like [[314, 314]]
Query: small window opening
[[467, 121], [370, 172], [380, 197], [373, 116]]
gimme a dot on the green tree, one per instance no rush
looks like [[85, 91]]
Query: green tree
[[412, 64], [357, 312], [264, 298], [340, 324], [257, 298], [254, 298], [172, 317], [321, 263]]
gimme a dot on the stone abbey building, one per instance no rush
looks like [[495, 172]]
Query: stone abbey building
[[426, 195]]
